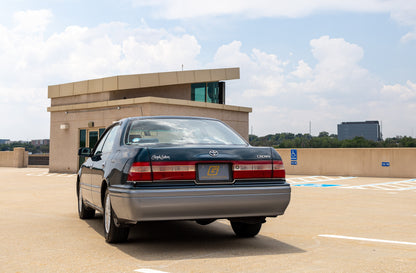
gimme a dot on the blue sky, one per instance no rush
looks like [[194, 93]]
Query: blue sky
[[322, 61]]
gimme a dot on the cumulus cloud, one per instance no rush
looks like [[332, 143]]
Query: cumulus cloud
[[30, 60], [179, 9], [405, 93], [285, 96], [402, 11]]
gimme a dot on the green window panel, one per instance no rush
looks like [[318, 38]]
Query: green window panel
[[198, 92], [213, 92]]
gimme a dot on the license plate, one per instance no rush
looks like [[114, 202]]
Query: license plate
[[213, 173]]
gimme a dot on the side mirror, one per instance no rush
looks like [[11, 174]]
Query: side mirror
[[85, 151]]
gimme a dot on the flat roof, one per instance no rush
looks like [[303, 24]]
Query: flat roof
[[143, 100], [125, 82]]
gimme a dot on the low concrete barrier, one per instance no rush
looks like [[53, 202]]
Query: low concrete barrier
[[373, 162], [37, 160], [17, 158]]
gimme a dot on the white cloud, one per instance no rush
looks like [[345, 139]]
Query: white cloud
[[182, 9], [30, 21], [402, 11], [409, 36], [284, 95], [404, 93], [285, 98], [30, 61], [303, 71]]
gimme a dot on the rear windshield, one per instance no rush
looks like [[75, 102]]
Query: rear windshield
[[181, 131]]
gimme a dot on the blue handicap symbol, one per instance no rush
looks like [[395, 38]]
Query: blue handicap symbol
[[293, 154]]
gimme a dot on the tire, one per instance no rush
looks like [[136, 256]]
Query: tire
[[84, 212], [204, 222], [113, 233], [245, 230]]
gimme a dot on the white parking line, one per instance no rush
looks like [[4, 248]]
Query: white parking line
[[367, 239], [148, 270], [52, 174], [315, 179], [389, 186]]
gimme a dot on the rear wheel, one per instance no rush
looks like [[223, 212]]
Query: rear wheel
[[113, 231], [204, 222], [246, 230], [84, 212]]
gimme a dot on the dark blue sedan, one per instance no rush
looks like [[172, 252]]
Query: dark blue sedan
[[179, 168]]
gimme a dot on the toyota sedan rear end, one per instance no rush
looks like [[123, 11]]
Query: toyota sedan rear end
[[180, 168]]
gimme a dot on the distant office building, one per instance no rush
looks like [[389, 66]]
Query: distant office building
[[16, 141], [38, 142], [3, 141], [369, 130]]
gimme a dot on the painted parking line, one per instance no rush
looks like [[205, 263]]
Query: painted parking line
[[403, 185], [367, 239], [148, 270], [51, 174], [316, 185], [317, 179]]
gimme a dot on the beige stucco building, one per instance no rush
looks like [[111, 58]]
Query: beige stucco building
[[80, 111]]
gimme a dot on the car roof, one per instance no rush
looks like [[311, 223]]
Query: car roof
[[166, 117]]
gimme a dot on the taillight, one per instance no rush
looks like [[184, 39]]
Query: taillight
[[169, 170], [258, 169], [174, 170], [140, 171], [278, 169], [252, 169]]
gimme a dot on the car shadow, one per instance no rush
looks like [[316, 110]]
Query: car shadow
[[177, 240]]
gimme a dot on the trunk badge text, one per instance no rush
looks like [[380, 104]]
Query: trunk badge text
[[160, 157], [213, 153]]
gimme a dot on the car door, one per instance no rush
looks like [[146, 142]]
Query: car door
[[85, 180], [101, 158]]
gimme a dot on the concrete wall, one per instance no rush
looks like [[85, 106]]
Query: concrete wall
[[179, 91], [352, 162], [18, 158]]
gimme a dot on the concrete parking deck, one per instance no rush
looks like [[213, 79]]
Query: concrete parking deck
[[333, 224]]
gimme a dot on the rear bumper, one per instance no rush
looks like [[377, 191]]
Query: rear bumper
[[199, 203]]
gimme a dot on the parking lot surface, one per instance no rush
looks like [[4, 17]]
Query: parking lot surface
[[333, 224]]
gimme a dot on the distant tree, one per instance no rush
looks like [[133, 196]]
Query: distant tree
[[323, 134]]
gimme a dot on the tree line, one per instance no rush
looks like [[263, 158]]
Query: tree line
[[34, 149], [325, 140]]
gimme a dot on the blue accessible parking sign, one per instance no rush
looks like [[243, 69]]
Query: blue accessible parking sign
[[293, 157], [293, 154]]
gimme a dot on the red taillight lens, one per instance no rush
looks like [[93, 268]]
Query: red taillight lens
[[278, 169], [140, 171], [174, 170], [258, 169], [252, 169]]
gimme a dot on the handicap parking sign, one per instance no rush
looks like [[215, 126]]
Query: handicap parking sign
[[293, 154]]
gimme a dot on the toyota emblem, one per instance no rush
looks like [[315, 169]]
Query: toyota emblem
[[213, 153]]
